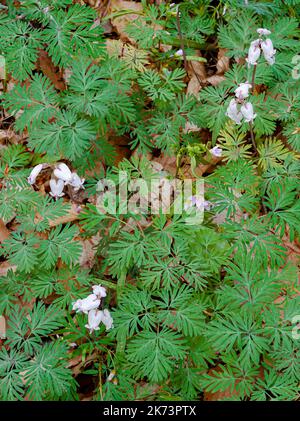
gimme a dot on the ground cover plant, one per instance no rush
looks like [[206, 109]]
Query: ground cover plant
[[143, 302]]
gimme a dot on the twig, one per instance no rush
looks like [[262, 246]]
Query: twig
[[181, 38]]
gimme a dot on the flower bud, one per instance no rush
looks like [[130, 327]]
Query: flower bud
[[34, 173], [263, 31]]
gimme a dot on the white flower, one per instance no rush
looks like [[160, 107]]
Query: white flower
[[94, 320], [99, 290], [63, 172], [76, 182], [34, 173], [247, 111], [254, 52], [193, 201], [107, 320], [216, 151], [179, 53], [57, 188], [91, 302], [242, 91], [263, 31], [233, 113], [268, 50]]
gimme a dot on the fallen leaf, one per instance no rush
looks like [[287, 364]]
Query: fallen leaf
[[120, 23], [4, 232], [5, 267], [223, 62], [45, 64], [71, 216]]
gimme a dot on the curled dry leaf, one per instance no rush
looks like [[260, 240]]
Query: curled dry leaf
[[223, 62]]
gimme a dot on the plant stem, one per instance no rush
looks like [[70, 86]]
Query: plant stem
[[252, 136], [181, 39], [253, 78]]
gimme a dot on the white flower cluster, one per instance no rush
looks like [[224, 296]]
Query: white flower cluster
[[261, 45], [90, 306], [238, 108], [62, 177]]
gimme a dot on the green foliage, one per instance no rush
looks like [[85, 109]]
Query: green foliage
[[197, 308]]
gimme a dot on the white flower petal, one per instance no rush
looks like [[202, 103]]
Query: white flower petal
[[107, 320], [268, 51], [242, 91], [263, 31], [57, 188], [94, 319], [233, 113], [76, 182], [34, 173], [91, 302], [99, 290], [63, 172], [248, 113], [254, 52]]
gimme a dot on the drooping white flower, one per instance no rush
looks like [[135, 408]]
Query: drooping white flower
[[34, 173], [242, 91], [233, 113], [253, 53], [216, 151], [179, 53], [57, 188], [99, 290], [268, 51], [107, 320], [94, 320], [63, 172], [84, 305], [76, 182], [263, 31], [247, 111]]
